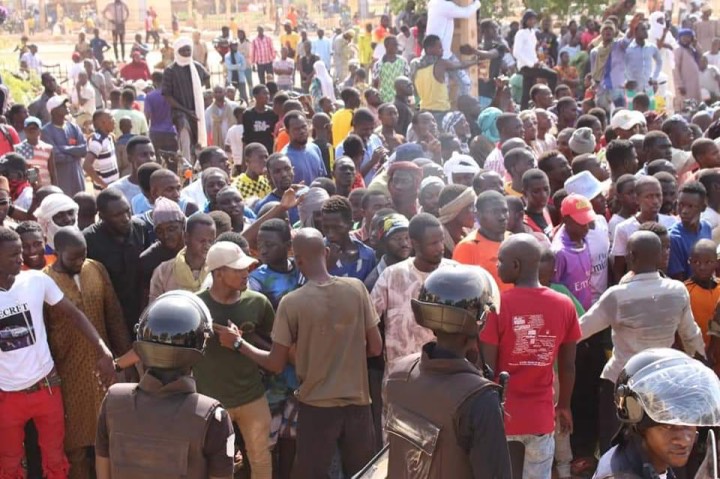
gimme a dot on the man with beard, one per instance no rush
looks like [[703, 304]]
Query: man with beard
[[116, 242], [188, 269], [56, 210], [305, 157], [401, 282], [182, 87], [86, 284]]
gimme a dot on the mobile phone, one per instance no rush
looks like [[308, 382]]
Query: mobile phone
[[33, 174]]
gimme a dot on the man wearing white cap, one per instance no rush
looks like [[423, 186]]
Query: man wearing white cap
[[182, 87], [626, 123], [69, 146], [223, 374]]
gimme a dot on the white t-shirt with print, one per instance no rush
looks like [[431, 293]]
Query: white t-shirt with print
[[24, 351]]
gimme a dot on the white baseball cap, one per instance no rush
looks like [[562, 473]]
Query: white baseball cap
[[627, 119], [227, 254], [55, 101]]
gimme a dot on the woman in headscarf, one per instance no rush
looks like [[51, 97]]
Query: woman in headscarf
[[487, 121], [322, 85], [454, 122], [659, 35], [687, 69]]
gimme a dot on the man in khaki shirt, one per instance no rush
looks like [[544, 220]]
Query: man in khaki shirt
[[334, 327]]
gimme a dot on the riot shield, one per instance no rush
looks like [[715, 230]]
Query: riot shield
[[377, 468], [709, 467]]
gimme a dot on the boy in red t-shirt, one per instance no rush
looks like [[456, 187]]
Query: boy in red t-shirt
[[535, 327]]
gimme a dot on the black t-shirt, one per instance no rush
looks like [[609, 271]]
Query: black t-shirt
[[539, 219], [259, 127]]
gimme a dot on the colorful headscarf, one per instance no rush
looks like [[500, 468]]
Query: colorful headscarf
[[487, 121]]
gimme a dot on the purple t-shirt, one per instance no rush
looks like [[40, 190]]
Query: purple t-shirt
[[158, 113], [573, 268]]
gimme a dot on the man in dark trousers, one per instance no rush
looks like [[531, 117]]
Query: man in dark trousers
[[438, 397]]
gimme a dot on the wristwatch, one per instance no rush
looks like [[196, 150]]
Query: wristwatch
[[238, 344], [117, 367]]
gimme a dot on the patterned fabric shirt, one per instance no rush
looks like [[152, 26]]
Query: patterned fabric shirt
[[105, 164], [391, 296], [386, 73], [248, 187], [37, 156], [274, 284], [263, 50]]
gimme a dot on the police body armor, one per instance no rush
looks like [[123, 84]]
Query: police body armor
[[423, 400], [157, 437]]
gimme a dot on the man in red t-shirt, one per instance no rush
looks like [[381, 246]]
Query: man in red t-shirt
[[535, 327]]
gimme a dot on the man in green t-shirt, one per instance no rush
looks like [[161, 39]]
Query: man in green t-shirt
[[223, 373]]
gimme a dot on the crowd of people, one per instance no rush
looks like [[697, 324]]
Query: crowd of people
[[334, 205]]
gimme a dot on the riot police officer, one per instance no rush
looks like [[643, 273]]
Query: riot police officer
[[162, 427], [444, 418], [662, 396]]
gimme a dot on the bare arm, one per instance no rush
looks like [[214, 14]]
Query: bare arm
[[287, 202], [102, 467], [90, 171], [374, 342], [566, 377], [273, 360], [489, 354]]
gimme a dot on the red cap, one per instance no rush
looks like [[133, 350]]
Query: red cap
[[76, 55], [578, 208]]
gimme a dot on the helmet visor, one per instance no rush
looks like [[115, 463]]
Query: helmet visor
[[680, 392]]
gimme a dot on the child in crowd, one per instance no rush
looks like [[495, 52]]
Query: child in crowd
[[689, 230], [252, 183], [703, 287]]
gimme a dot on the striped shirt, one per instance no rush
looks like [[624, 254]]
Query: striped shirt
[[102, 148], [37, 156], [263, 50]]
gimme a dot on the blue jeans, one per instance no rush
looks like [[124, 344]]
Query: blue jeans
[[539, 453]]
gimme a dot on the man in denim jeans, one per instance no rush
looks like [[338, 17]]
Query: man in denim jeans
[[535, 327]]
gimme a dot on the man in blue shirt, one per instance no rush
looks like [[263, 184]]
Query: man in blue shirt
[[689, 230], [306, 158], [639, 58], [280, 171], [322, 48], [348, 256]]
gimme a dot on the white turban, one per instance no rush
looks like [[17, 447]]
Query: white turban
[[197, 89], [50, 206], [458, 164], [177, 45]]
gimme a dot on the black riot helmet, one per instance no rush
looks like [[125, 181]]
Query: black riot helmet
[[455, 300], [666, 386], [172, 331]]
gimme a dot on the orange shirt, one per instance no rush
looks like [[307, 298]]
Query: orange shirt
[[477, 250], [702, 303], [281, 140], [49, 261]]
